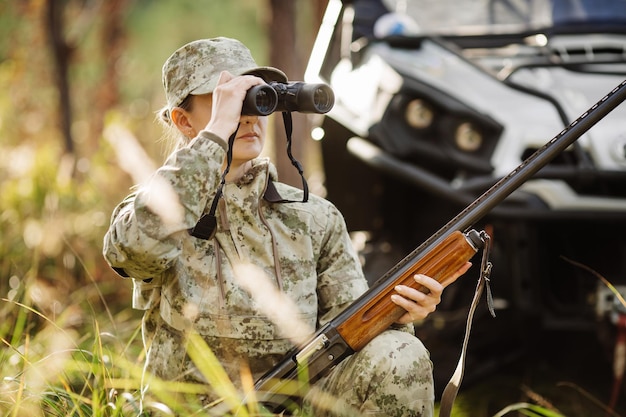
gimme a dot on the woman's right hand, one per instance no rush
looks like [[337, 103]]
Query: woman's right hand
[[227, 102]]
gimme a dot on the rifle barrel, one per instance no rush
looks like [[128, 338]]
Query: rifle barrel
[[330, 345], [497, 193]]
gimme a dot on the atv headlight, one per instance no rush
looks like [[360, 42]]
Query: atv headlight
[[467, 138], [418, 114], [436, 131]]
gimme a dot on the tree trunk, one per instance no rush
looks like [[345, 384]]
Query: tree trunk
[[112, 43], [284, 54], [61, 56], [319, 8]]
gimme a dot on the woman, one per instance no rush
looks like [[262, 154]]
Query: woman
[[217, 281]]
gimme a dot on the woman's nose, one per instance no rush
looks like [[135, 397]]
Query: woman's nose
[[249, 119]]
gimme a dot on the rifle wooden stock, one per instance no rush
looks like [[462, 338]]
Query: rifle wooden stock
[[380, 312]]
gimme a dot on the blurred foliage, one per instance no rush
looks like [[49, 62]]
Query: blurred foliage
[[54, 207], [57, 295]]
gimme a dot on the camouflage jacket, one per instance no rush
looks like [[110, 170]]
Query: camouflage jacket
[[301, 249]]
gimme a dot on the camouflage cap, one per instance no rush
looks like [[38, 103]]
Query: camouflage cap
[[196, 67]]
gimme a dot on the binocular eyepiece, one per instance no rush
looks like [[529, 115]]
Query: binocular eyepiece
[[264, 99]]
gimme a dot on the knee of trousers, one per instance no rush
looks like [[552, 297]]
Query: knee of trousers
[[393, 363], [397, 358], [390, 376]]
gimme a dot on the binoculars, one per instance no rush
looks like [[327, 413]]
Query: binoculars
[[262, 100]]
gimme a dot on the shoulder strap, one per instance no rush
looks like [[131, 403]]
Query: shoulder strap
[[452, 388]]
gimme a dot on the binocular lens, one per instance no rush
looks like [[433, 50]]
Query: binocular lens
[[324, 99], [261, 100], [266, 101]]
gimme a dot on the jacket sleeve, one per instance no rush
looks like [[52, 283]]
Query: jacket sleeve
[[340, 275], [143, 238], [341, 279]]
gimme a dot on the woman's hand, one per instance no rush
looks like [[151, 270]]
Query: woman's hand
[[227, 102], [419, 305]]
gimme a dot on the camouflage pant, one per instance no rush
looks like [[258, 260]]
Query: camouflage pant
[[391, 376]]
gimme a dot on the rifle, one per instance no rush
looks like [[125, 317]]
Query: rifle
[[439, 256]]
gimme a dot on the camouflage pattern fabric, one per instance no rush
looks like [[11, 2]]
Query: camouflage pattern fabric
[[390, 377], [195, 67], [223, 288]]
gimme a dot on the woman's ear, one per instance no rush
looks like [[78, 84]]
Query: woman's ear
[[180, 118]]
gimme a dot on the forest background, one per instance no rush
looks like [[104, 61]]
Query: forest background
[[80, 84]]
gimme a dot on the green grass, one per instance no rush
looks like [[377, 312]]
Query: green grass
[[87, 361]]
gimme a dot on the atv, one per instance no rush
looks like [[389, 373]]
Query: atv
[[435, 101]]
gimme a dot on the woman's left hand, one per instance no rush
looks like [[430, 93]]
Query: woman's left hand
[[419, 305]]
